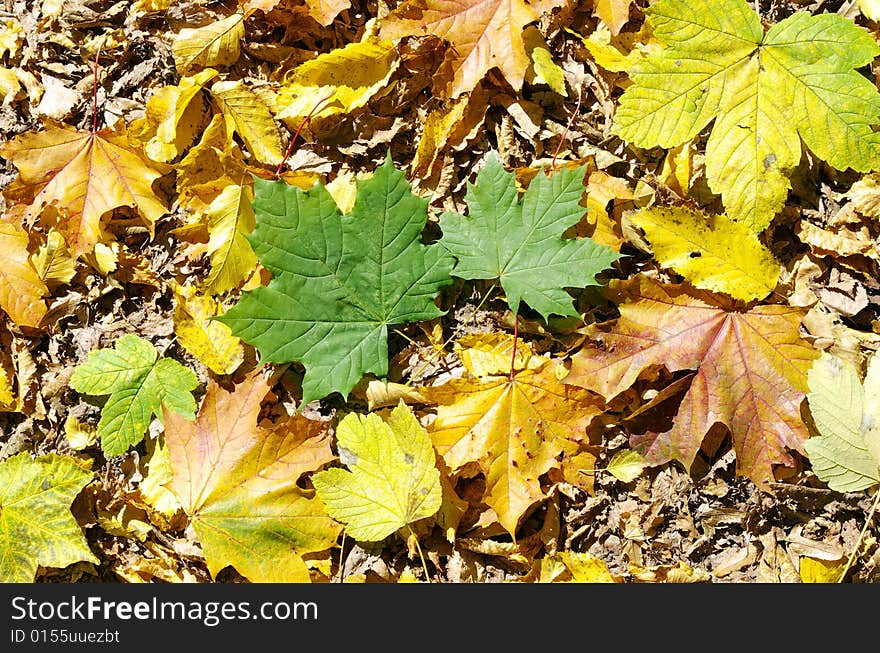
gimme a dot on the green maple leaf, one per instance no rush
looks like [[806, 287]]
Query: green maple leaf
[[139, 384], [846, 451], [765, 91], [338, 281], [36, 526], [520, 242], [392, 478]]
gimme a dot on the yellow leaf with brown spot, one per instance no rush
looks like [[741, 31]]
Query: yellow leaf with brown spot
[[215, 44], [210, 341], [247, 115], [713, 252], [512, 429], [84, 176], [21, 289]]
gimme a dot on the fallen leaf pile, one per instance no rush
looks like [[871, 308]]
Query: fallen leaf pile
[[536, 291]]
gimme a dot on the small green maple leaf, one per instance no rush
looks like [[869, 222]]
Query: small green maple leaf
[[338, 281], [765, 91], [139, 384], [520, 242], [36, 526]]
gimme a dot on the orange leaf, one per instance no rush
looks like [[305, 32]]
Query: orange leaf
[[21, 289], [238, 483], [513, 430], [84, 175], [482, 34], [750, 371]]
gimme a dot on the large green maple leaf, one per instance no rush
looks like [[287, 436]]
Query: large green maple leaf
[[765, 91], [338, 281], [519, 242], [36, 526]]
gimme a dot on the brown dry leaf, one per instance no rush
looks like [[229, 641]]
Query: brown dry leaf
[[481, 35], [84, 175], [21, 288]]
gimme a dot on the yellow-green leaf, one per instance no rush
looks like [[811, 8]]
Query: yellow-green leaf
[[392, 478], [542, 69], [216, 44], [711, 251], [248, 115], [765, 91], [626, 465], [846, 451], [36, 526], [230, 220], [813, 570]]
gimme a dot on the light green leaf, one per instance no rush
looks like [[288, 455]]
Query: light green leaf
[[338, 281], [139, 384], [846, 452], [765, 92], [36, 526], [392, 478], [626, 465], [520, 242]]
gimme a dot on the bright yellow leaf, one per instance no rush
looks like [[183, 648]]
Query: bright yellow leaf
[[543, 70], [248, 115], [813, 570], [11, 36], [614, 13], [574, 567], [216, 44], [173, 118], [711, 251], [210, 341], [338, 81], [626, 465], [445, 127], [79, 436], [21, 289]]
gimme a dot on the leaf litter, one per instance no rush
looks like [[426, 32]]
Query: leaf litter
[[592, 519]]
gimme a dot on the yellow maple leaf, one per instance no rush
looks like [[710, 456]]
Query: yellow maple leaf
[[513, 429], [230, 219], [482, 35], [21, 289], [84, 175]]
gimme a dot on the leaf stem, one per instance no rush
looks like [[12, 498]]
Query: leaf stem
[[95, 91], [515, 339], [565, 133], [452, 337], [302, 124], [852, 556], [421, 557]]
